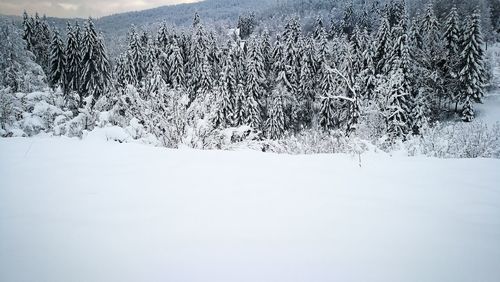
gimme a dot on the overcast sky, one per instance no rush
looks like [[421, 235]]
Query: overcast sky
[[80, 8]]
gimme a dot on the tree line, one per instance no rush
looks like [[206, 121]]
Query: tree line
[[408, 71]]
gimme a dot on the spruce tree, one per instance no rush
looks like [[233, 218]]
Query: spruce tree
[[176, 66], [327, 117], [291, 53], [276, 120], [137, 57], [255, 81], [452, 47], [306, 85], [383, 46], [266, 51], [224, 96], [472, 74], [57, 62], [399, 90], [96, 72], [196, 20], [28, 32], [163, 36], [73, 52]]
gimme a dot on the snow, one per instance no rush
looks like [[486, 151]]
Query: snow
[[74, 210]]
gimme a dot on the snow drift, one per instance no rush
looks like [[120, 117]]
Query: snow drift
[[104, 211]]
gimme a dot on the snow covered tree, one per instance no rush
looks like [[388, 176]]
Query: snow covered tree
[[57, 61], [472, 74], [383, 46], [366, 79], [96, 69], [28, 32], [176, 66], [319, 28], [266, 51], [282, 109], [196, 20], [327, 112], [41, 42], [137, 57], [73, 53], [154, 82], [246, 25], [432, 58], [276, 120], [291, 53], [163, 36], [224, 108], [255, 81], [18, 71], [452, 47], [198, 61], [306, 86], [398, 91], [452, 34]]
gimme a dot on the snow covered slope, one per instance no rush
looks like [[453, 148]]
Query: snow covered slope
[[103, 211]]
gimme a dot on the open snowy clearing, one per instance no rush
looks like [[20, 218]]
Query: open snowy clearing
[[103, 211]]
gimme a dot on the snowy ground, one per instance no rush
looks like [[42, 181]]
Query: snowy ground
[[103, 211]]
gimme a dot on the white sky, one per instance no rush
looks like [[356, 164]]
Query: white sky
[[80, 8]]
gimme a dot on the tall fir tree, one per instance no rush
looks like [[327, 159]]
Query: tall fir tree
[[327, 113], [383, 46], [255, 82], [472, 74], [57, 61], [177, 73], [398, 90], [28, 32], [96, 68], [224, 96], [73, 52], [452, 49]]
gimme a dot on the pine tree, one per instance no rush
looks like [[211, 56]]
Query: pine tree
[[266, 51], [28, 31], [73, 68], [306, 85], [472, 75], [348, 21], [291, 53], [366, 79], [451, 34], [196, 20], [41, 42], [224, 97], [255, 81], [320, 56], [399, 91], [163, 36], [276, 120], [431, 60], [176, 66], [95, 64], [452, 47], [57, 61], [198, 56], [154, 82], [327, 117], [137, 57], [383, 45], [319, 28]]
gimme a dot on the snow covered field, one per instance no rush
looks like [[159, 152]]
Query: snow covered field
[[104, 211]]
